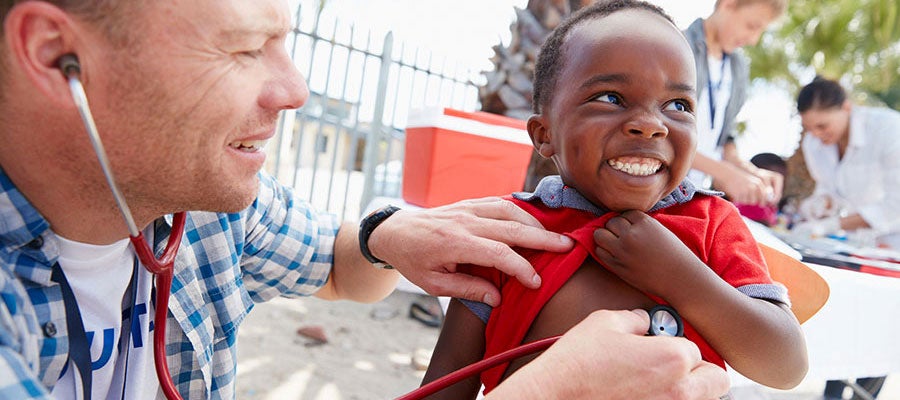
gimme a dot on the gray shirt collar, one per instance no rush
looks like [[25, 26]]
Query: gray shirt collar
[[555, 194]]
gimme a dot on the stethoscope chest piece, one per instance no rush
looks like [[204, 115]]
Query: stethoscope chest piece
[[664, 321]]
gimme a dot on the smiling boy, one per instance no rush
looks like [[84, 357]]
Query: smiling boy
[[614, 109]]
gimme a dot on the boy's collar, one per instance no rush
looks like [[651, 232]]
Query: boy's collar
[[555, 194]]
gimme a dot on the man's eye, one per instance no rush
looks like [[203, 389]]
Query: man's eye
[[609, 98], [678, 105], [252, 53]]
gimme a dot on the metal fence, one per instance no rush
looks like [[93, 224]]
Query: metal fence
[[346, 145]]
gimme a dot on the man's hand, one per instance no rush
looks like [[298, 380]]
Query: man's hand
[[607, 356], [427, 245]]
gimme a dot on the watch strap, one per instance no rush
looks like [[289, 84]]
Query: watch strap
[[367, 226]]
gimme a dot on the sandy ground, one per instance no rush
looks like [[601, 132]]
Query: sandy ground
[[369, 353]]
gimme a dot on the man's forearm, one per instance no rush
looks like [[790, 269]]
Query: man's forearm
[[353, 277]]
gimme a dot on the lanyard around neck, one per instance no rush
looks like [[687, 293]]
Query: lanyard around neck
[[79, 348], [714, 90]]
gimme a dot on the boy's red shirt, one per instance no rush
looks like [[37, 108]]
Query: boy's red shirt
[[710, 226]]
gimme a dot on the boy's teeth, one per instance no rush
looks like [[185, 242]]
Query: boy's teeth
[[249, 145], [635, 166]]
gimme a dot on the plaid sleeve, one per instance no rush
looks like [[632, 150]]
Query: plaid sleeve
[[18, 345], [289, 248], [17, 381]]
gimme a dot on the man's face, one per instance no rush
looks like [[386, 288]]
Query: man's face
[[620, 124], [829, 125], [743, 25], [191, 103]]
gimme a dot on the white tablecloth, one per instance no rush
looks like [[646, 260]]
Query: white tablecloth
[[857, 331]]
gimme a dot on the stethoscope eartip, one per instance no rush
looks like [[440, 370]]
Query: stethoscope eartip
[[69, 65]]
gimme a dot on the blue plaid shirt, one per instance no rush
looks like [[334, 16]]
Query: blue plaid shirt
[[278, 246]]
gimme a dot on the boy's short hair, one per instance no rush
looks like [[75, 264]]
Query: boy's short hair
[[551, 58], [771, 162], [779, 6]]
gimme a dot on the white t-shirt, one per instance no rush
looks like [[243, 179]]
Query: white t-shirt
[[708, 128], [99, 277]]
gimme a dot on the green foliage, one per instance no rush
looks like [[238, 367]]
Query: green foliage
[[857, 41]]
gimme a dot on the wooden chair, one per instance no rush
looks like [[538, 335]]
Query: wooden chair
[[807, 290]]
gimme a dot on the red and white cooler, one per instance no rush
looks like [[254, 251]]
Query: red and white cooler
[[451, 155]]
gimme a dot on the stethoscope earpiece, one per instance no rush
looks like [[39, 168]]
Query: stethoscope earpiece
[[68, 64], [665, 321]]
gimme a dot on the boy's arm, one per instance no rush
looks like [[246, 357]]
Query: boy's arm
[[461, 343], [759, 339]]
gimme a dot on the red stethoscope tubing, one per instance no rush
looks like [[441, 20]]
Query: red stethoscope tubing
[[478, 367], [163, 269], [664, 321]]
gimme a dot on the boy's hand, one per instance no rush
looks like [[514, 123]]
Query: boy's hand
[[644, 253]]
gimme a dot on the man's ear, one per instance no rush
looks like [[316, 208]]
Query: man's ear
[[540, 136], [37, 35]]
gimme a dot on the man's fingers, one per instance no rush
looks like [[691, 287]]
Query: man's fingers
[[499, 209], [706, 381], [503, 221], [635, 322], [480, 200], [496, 254], [467, 287]]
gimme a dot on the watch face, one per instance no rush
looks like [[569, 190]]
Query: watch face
[[381, 265]]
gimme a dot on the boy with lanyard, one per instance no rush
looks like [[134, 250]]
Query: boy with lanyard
[[620, 127], [723, 77]]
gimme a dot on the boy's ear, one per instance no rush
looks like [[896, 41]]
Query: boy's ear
[[540, 136]]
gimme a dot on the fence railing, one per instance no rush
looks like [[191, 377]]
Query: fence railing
[[345, 146]]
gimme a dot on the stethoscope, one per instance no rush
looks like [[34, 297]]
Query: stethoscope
[[162, 267], [664, 321]]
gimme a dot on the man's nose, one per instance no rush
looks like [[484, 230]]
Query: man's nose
[[288, 89]]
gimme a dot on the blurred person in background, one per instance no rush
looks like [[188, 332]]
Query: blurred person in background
[[853, 154], [723, 76], [766, 214]]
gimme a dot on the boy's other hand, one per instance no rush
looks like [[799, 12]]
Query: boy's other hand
[[644, 253]]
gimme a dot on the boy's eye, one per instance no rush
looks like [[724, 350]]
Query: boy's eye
[[678, 105], [609, 98]]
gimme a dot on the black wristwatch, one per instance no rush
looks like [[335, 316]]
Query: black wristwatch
[[367, 226]]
